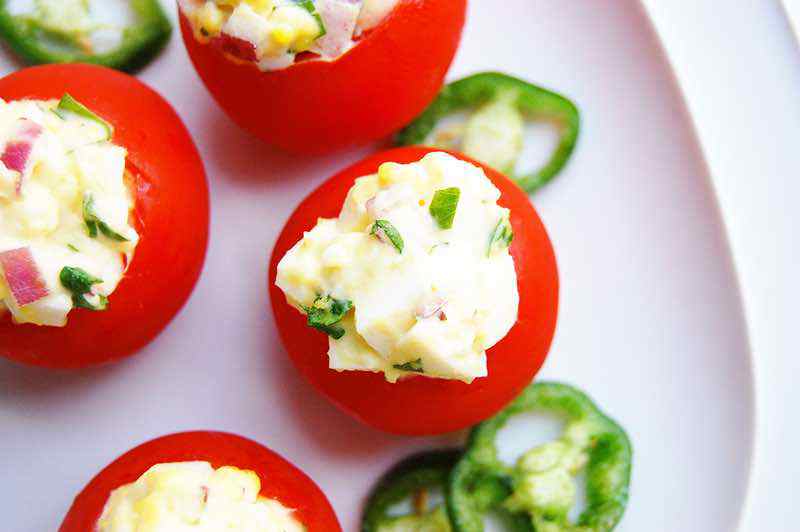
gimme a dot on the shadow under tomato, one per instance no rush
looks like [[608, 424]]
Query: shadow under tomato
[[323, 424], [243, 158], [331, 429], [20, 382]]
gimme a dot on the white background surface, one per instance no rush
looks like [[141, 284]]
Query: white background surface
[[649, 320], [740, 69]]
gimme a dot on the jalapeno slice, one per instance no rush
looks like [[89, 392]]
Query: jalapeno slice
[[493, 133], [411, 478], [540, 489], [65, 31]]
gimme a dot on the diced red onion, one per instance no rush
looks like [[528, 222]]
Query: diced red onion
[[435, 308], [340, 18], [381, 234], [29, 129], [370, 206], [17, 151], [15, 157], [23, 276], [237, 47]]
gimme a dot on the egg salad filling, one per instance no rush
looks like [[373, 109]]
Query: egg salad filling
[[65, 236], [414, 277], [195, 497], [271, 33]]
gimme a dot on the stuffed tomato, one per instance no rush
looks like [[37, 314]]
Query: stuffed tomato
[[317, 75], [201, 481], [103, 215], [431, 284]]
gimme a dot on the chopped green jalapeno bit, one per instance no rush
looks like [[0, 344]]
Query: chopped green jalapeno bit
[[81, 302], [385, 230], [80, 282], [77, 280], [69, 105], [493, 133], [64, 31], [414, 366], [412, 478], [325, 313], [93, 223], [539, 491], [309, 6], [502, 236], [444, 205]]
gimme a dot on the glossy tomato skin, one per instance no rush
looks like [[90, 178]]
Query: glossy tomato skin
[[377, 87], [171, 215], [280, 480], [419, 405]]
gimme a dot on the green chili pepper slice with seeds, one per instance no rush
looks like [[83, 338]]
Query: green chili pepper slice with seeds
[[411, 479], [540, 488], [493, 133], [63, 31]]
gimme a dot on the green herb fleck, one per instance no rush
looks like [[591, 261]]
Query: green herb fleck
[[444, 205], [391, 232], [502, 236], [309, 6], [81, 302], [79, 282], [73, 248], [414, 366], [69, 105], [93, 223], [325, 313]]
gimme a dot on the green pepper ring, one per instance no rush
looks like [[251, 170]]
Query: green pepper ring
[[419, 471], [536, 102], [607, 473], [141, 42]]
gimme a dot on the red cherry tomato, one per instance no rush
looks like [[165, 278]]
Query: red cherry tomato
[[374, 89], [280, 480], [421, 405], [171, 215]]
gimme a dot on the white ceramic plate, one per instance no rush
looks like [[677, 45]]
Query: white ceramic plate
[[650, 321]]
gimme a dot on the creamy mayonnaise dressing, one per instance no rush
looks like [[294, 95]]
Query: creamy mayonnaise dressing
[[195, 497], [410, 296], [271, 33], [60, 175]]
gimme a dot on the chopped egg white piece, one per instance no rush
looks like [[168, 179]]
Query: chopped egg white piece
[[374, 11], [195, 497], [56, 168], [275, 31], [401, 294]]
